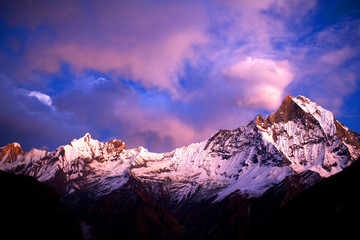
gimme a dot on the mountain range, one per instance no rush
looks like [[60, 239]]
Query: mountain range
[[227, 186]]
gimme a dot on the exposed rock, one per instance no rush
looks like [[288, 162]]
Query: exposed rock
[[10, 153]]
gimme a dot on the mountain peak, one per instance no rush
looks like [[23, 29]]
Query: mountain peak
[[10, 152], [87, 137], [15, 145], [288, 97], [85, 143], [287, 111]]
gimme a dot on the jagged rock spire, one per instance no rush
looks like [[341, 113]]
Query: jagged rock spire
[[287, 111]]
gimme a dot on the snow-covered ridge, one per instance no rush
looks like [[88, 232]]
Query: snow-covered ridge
[[248, 159], [324, 117]]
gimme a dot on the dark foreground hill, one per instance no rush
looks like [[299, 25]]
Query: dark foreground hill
[[32, 210], [329, 209]]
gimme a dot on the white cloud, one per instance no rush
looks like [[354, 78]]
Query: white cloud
[[43, 98]]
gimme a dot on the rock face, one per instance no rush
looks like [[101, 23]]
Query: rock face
[[10, 153], [289, 151]]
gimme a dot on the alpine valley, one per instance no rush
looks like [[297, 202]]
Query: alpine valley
[[234, 185]]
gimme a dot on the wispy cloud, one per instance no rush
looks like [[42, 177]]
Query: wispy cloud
[[45, 99]]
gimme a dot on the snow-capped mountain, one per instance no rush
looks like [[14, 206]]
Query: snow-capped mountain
[[221, 187], [299, 136]]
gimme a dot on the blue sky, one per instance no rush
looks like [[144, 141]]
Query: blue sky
[[163, 74]]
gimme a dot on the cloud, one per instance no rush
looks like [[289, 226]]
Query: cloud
[[143, 42], [129, 39], [153, 46], [45, 99], [167, 73], [262, 81], [294, 10], [258, 27]]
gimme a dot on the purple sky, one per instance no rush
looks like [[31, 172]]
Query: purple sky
[[163, 74]]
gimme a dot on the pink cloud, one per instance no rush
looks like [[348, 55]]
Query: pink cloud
[[262, 81]]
